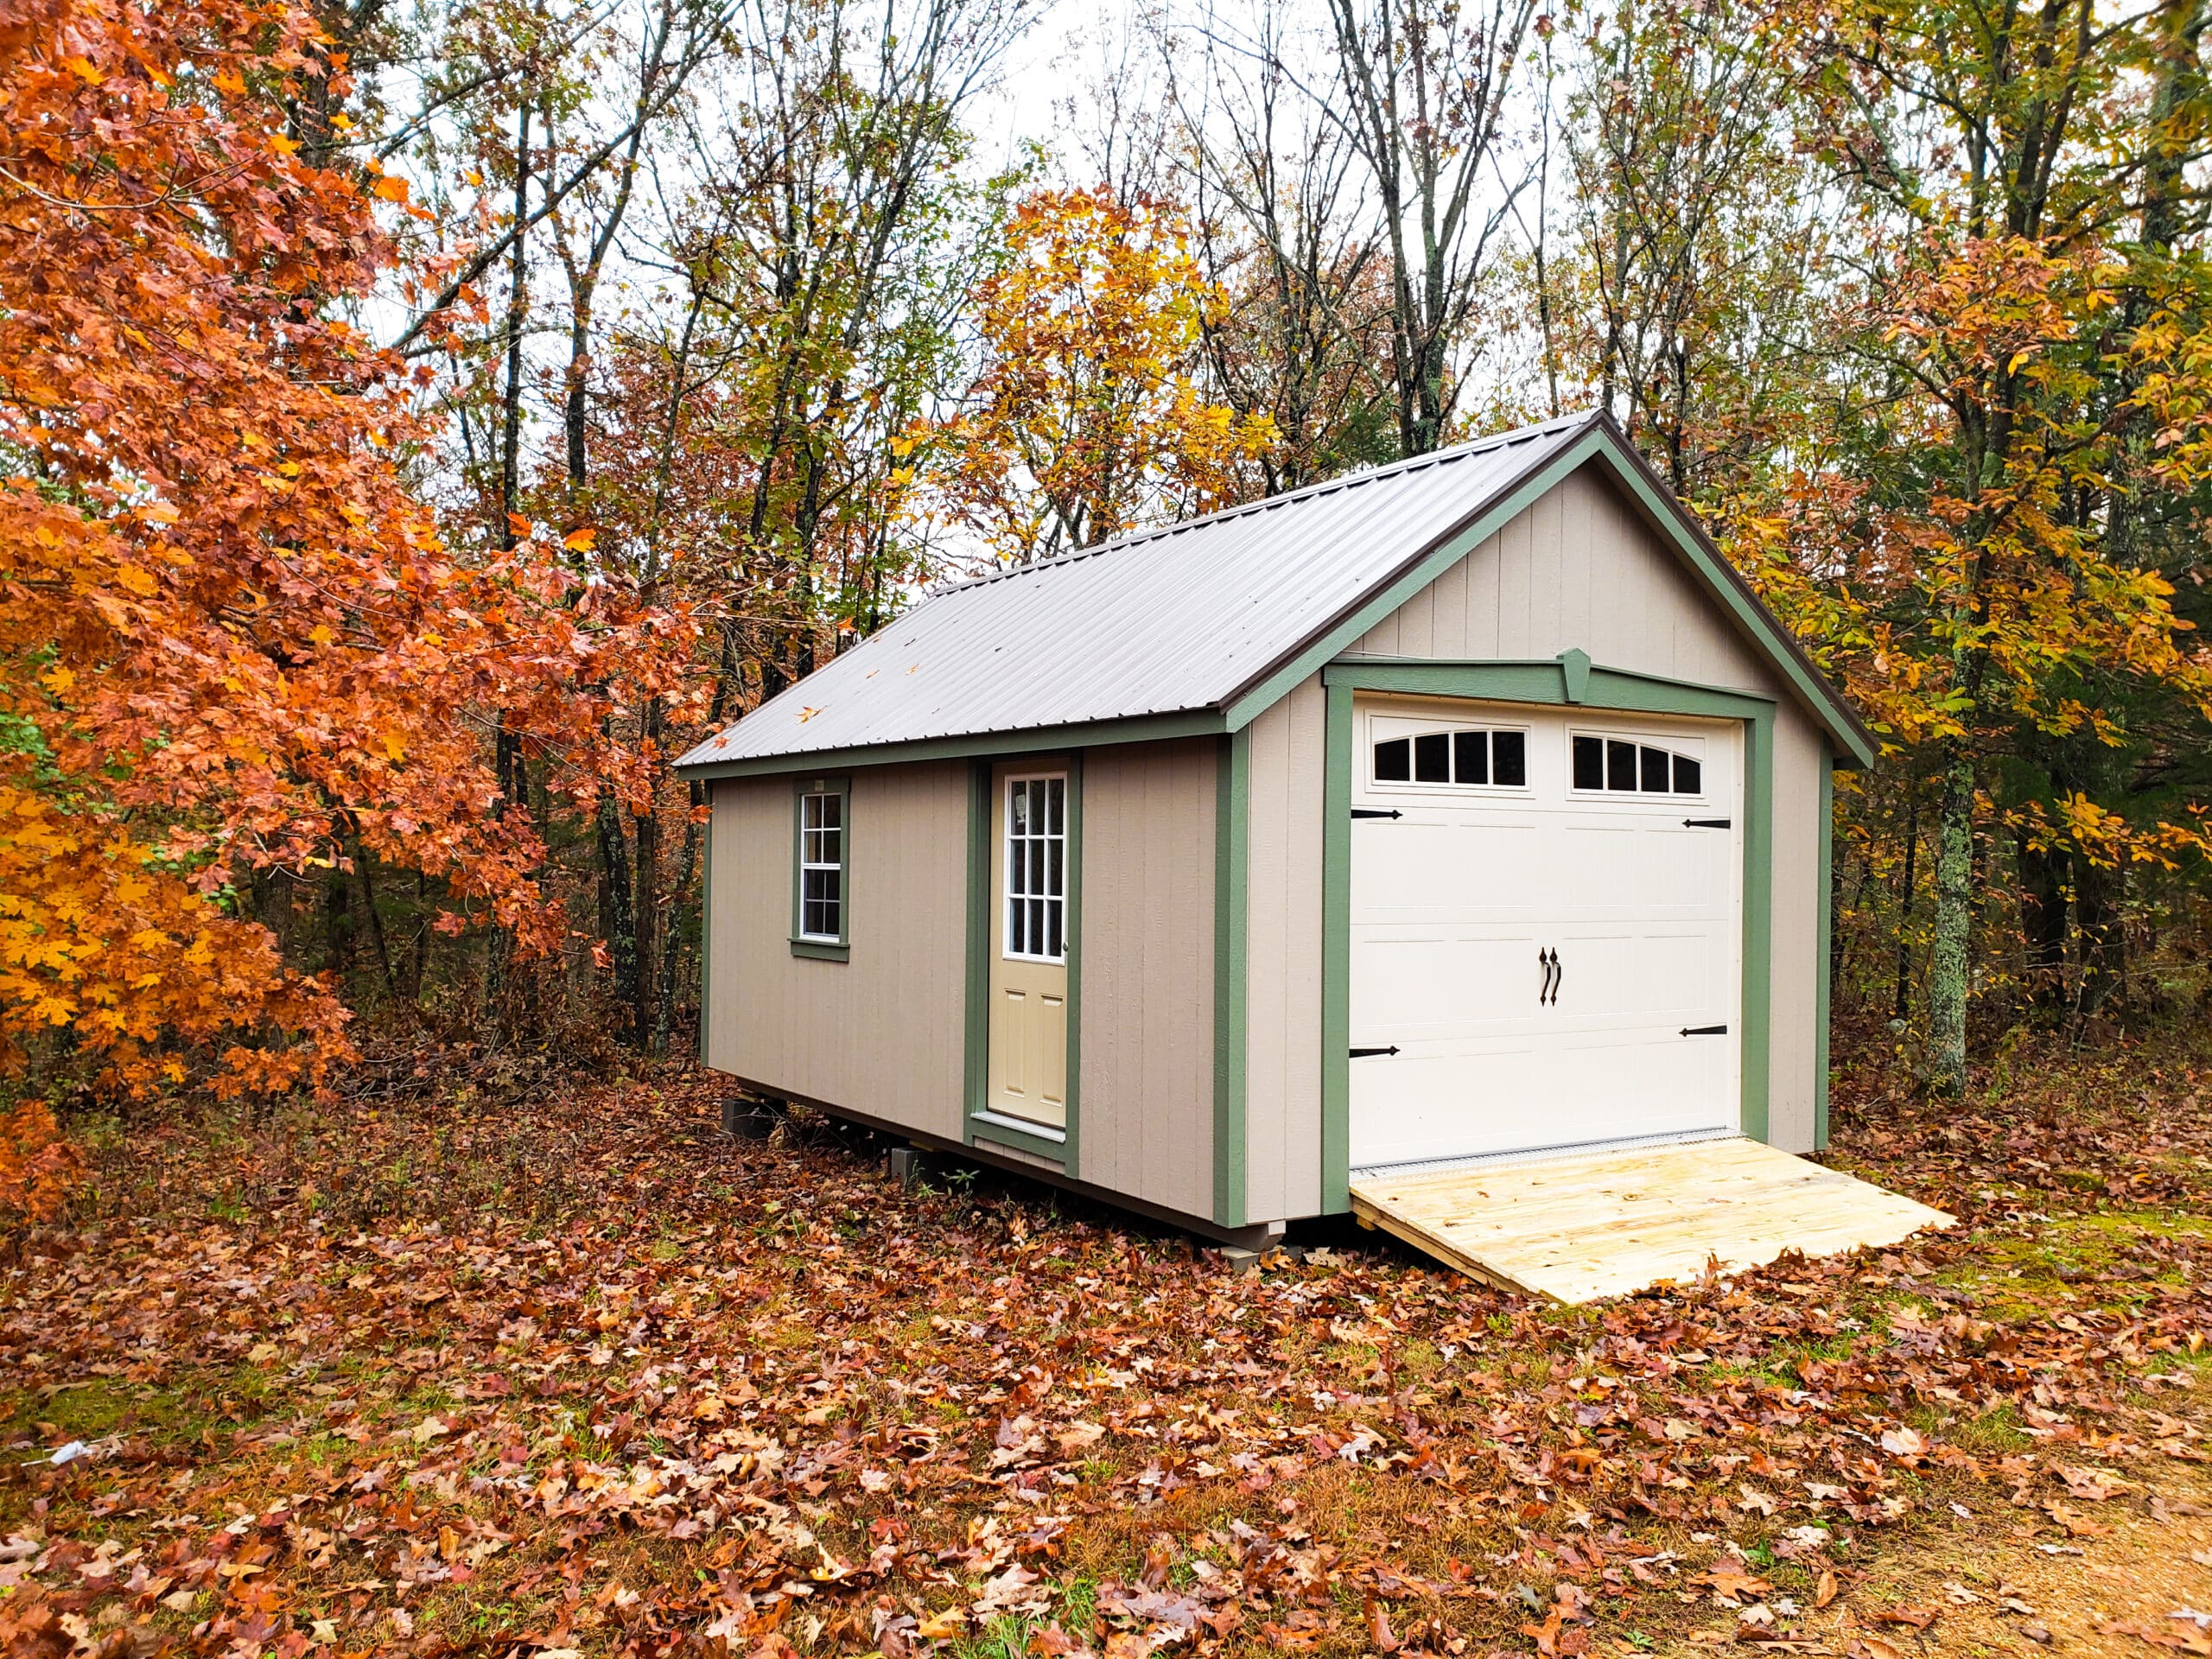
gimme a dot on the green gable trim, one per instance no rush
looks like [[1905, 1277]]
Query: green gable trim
[[1002, 745], [1604, 688], [1255, 700], [978, 1123], [1827, 924], [1604, 443], [1232, 812], [1673, 520]]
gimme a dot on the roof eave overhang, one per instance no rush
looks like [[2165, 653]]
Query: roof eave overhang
[[1035, 739]]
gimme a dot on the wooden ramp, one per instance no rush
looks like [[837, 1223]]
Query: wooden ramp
[[1577, 1226]]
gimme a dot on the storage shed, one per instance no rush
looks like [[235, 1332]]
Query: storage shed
[[1467, 807]]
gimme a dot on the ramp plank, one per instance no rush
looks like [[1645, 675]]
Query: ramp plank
[[1580, 1226]]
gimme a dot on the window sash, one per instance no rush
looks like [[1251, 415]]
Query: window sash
[[1033, 904], [822, 867]]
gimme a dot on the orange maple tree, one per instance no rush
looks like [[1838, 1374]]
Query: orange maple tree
[[234, 641]]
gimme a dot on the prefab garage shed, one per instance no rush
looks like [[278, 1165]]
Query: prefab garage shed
[[1464, 807]]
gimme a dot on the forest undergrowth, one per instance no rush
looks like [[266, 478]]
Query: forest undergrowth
[[581, 1375]]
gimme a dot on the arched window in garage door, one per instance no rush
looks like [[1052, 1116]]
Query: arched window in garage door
[[1620, 766], [1467, 756]]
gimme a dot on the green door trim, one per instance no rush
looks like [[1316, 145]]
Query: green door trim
[[1232, 912], [1610, 689], [978, 1124]]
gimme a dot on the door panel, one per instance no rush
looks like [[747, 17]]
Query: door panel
[[1028, 1070], [1638, 918]]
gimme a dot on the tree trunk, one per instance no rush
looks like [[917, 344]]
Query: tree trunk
[[376, 921], [647, 898], [1949, 974], [2043, 923], [679, 906], [618, 922], [337, 923], [1901, 1003], [2098, 891]]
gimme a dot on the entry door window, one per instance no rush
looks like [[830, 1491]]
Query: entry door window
[[1036, 868]]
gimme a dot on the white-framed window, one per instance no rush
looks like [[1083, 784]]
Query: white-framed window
[[1035, 911], [1603, 763], [1459, 757], [821, 917]]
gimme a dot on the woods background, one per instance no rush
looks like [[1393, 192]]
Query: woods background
[[422, 422]]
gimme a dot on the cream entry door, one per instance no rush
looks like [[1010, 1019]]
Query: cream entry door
[[1547, 928], [1029, 954]]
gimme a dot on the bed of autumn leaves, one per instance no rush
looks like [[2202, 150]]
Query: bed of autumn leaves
[[577, 1375]]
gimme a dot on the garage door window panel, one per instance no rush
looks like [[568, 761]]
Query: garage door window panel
[[1473, 757], [1617, 766]]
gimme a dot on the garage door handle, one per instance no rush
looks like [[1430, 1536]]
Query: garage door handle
[[1705, 823], [1705, 1031], [1548, 991], [1375, 812], [1362, 1053]]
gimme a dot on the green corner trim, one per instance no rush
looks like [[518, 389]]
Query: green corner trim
[[1336, 951], [1541, 683], [1231, 899], [839, 949], [976, 1043], [1071, 1143], [707, 930], [1757, 986], [978, 1123], [1826, 924]]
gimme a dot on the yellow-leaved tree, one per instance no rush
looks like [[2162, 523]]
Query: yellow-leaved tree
[[1088, 419]]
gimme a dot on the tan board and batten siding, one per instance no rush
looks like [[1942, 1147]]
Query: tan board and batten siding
[[881, 1033], [1145, 1104], [1579, 569]]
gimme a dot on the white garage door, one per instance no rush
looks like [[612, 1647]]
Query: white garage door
[[1546, 928]]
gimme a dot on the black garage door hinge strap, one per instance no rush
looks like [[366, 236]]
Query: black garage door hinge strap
[[1706, 823], [1705, 1031], [1362, 1053], [1375, 812]]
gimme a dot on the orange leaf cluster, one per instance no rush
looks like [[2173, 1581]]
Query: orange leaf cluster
[[224, 618]]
